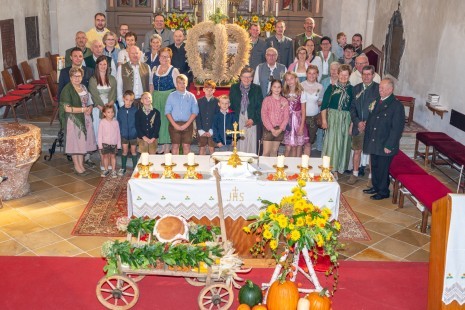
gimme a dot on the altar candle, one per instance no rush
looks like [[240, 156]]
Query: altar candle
[[276, 3], [144, 159], [155, 6], [250, 6], [263, 7], [326, 161], [167, 6], [280, 162], [191, 159], [311, 175], [305, 160], [180, 5], [168, 160]]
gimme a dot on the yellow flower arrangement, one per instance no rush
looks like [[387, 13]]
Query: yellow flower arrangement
[[268, 24], [293, 224], [183, 21], [244, 23]]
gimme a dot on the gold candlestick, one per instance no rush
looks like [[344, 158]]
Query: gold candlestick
[[168, 172], [234, 160], [326, 173], [304, 175], [144, 170], [191, 174], [280, 174]]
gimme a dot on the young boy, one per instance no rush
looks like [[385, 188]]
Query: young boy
[[109, 140], [181, 109], [127, 124], [208, 107], [148, 123], [338, 48], [223, 120]]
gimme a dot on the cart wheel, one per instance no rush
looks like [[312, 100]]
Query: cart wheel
[[135, 277], [196, 281], [216, 296], [117, 292]]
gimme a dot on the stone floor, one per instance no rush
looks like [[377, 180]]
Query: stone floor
[[41, 222]]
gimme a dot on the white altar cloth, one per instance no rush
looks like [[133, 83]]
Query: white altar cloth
[[241, 198]]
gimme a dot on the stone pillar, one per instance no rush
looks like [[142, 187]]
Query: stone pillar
[[20, 147]]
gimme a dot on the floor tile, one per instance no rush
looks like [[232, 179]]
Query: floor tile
[[411, 237], [4, 236], [418, 256], [395, 247], [374, 238], [65, 202], [64, 230], [11, 247], [371, 254], [382, 227], [60, 180], [38, 239], [10, 216], [37, 209], [363, 217], [351, 248], [88, 243], [24, 227], [75, 212], [62, 248], [50, 194], [38, 166], [46, 173], [40, 186], [85, 195], [53, 220], [76, 187], [23, 201]]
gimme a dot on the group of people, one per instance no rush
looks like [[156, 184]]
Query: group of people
[[320, 96]]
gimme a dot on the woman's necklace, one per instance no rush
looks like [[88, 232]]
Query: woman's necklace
[[162, 70]]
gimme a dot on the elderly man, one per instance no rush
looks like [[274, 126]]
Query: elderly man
[[356, 76], [123, 29], [300, 39], [357, 42], [268, 71], [282, 44], [179, 59], [365, 94], [81, 41], [383, 131], [97, 32], [97, 50], [159, 28], [133, 75], [257, 53]]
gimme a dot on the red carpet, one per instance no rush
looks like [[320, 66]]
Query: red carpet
[[70, 283]]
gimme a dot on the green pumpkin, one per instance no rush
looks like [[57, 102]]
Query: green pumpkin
[[250, 294]]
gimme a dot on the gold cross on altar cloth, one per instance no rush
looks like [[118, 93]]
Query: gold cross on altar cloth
[[235, 132]]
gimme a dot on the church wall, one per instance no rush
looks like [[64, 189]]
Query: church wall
[[68, 17], [433, 55], [18, 10]]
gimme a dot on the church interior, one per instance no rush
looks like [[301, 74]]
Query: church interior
[[42, 222]]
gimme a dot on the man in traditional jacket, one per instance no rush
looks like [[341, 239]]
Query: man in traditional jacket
[[268, 71], [300, 39], [282, 44], [257, 53], [383, 131]]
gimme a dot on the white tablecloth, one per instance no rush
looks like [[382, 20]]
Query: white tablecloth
[[454, 272], [241, 198]]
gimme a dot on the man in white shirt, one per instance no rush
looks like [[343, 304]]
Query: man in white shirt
[[356, 76], [133, 75]]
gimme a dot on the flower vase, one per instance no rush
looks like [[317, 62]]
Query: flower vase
[[268, 33]]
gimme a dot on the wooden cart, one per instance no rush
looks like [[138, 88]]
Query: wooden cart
[[120, 291]]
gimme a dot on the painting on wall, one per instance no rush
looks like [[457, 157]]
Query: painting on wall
[[32, 37]]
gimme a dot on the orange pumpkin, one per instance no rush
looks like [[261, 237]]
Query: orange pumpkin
[[243, 307], [282, 296], [260, 307], [319, 300]]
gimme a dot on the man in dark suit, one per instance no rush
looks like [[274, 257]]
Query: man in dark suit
[[382, 137], [76, 57], [257, 53], [97, 51], [365, 94], [179, 59], [282, 44], [300, 39]]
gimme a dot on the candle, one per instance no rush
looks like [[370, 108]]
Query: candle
[[180, 5], [168, 161], [263, 7], [305, 159], [155, 6], [191, 159], [280, 162], [326, 161], [144, 159], [250, 6], [167, 6], [311, 175], [276, 3]]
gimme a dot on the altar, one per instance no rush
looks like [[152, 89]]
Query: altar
[[197, 199]]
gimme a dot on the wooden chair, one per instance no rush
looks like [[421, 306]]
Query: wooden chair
[[29, 75], [53, 59], [53, 92], [408, 102], [44, 67], [11, 102], [375, 58], [11, 89], [20, 84]]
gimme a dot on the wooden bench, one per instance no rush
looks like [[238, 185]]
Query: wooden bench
[[452, 154], [428, 139], [422, 190]]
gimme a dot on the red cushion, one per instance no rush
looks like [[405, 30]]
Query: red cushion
[[25, 86], [426, 188], [8, 98], [405, 168], [20, 92], [449, 147], [427, 137]]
